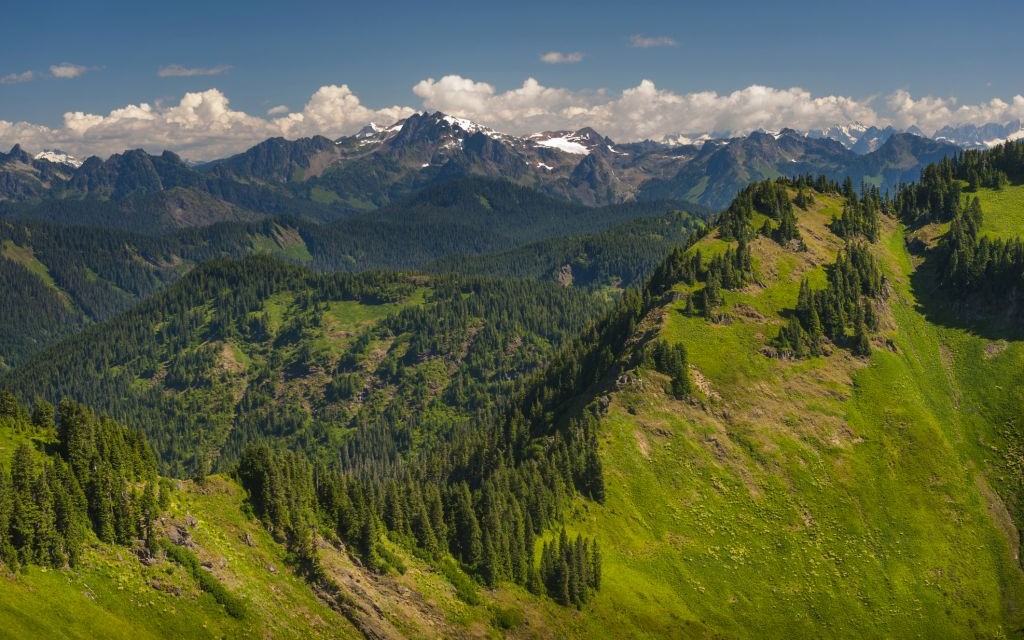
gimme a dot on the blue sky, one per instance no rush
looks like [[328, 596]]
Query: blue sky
[[281, 53]]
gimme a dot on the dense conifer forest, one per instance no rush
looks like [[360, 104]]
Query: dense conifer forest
[[91, 475]]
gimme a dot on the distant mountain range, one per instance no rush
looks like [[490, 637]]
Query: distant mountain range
[[856, 136], [985, 136], [863, 139], [324, 179]]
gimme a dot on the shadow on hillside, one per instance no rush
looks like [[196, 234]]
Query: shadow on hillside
[[999, 317]]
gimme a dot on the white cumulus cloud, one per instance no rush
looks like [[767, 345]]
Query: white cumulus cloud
[[647, 111], [643, 111], [557, 57], [279, 110], [67, 71], [201, 126], [932, 113]]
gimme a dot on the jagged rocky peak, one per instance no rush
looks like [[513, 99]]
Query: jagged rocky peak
[[16, 154]]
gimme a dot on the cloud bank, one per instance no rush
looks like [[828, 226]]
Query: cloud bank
[[203, 125]]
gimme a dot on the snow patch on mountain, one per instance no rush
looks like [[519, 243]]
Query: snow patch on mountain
[[578, 143], [57, 156], [374, 133], [566, 145], [468, 126]]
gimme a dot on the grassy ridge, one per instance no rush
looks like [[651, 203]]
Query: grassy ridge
[[831, 497]]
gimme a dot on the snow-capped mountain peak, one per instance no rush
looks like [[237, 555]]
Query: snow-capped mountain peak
[[374, 133], [856, 136], [57, 156], [467, 126], [369, 130], [985, 136]]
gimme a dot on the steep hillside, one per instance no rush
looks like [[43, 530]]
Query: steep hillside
[[277, 161], [623, 256], [473, 216], [206, 568], [824, 496], [114, 594]]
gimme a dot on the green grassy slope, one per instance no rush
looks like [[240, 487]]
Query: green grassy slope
[[832, 497], [112, 594], [1004, 210]]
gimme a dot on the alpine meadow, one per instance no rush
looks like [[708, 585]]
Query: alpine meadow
[[620, 322]]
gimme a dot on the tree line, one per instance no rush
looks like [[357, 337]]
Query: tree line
[[95, 476], [971, 263], [938, 195]]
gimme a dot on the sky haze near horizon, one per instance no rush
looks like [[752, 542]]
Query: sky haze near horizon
[[527, 65]]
